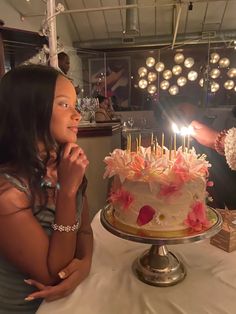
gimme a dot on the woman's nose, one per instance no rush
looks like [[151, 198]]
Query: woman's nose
[[76, 115]]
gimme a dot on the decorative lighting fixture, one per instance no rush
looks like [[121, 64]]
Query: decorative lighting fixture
[[192, 75], [179, 58], [164, 85], [176, 70], [214, 87], [189, 62], [159, 66], [224, 63], [142, 71], [167, 74], [152, 89], [152, 76], [173, 90], [215, 73], [215, 57], [181, 81], [142, 83], [229, 84], [150, 61], [232, 72]]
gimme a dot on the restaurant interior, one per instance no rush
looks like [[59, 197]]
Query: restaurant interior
[[158, 62]]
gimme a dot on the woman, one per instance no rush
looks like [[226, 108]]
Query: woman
[[44, 221], [223, 142], [104, 112]]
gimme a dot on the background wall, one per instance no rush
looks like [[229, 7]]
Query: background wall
[[12, 19]]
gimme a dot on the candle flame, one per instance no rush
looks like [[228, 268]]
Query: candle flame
[[175, 128]]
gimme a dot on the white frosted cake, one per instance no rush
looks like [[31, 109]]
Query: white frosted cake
[[159, 192]]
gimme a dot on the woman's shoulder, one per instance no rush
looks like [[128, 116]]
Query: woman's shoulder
[[13, 193]]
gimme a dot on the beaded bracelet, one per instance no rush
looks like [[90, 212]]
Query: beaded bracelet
[[219, 145], [68, 228]]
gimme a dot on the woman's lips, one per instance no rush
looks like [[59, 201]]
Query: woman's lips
[[73, 129]]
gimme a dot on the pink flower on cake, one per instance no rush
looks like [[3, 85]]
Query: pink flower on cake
[[181, 169], [145, 215], [168, 190], [121, 196], [197, 218]]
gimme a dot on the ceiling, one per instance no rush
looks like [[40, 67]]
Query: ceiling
[[113, 24]]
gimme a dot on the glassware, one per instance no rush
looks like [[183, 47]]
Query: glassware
[[130, 122]]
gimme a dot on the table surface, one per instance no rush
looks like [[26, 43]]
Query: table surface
[[112, 288]]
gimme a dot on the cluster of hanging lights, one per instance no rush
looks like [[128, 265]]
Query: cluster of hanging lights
[[148, 74]]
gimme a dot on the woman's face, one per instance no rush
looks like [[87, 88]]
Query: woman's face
[[65, 118]]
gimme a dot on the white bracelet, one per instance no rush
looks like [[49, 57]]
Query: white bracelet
[[230, 148], [68, 228]]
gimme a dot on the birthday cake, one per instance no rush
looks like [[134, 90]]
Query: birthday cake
[[159, 190]]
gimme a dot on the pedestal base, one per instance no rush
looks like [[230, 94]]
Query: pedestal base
[[159, 267]]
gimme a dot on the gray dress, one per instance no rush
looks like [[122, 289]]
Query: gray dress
[[13, 289]]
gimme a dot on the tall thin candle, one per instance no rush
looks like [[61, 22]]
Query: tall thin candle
[[162, 143]]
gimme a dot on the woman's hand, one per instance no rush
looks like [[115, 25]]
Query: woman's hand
[[72, 168], [203, 134], [71, 277]]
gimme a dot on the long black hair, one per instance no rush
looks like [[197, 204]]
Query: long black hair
[[26, 101]]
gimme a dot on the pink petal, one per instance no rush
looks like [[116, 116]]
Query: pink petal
[[146, 214]]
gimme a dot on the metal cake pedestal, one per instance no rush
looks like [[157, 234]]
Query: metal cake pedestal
[[158, 266]]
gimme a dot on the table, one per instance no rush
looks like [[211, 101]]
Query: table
[[112, 288]]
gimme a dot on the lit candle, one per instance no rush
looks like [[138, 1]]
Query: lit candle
[[162, 143], [184, 132], [175, 130], [140, 140], [137, 145], [190, 132], [170, 147], [151, 138]]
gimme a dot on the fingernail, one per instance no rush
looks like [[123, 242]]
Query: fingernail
[[29, 298], [62, 274], [27, 281]]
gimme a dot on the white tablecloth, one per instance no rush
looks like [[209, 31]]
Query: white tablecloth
[[112, 288]]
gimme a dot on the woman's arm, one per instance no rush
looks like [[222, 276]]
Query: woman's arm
[[76, 271], [23, 242]]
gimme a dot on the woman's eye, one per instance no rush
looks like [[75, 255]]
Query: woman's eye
[[65, 105]]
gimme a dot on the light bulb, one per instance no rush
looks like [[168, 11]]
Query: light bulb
[[229, 84], [189, 62], [152, 76], [164, 85], [142, 83], [167, 74], [151, 89], [181, 81], [159, 66], [214, 87], [173, 90], [150, 61], [215, 57], [192, 75], [201, 82], [224, 63], [176, 69], [142, 71], [215, 73], [179, 58], [232, 72]]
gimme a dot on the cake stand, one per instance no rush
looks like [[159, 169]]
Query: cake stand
[[158, 266]]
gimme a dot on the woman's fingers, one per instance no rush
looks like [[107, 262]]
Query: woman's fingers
[[35, 283], [71, 268]]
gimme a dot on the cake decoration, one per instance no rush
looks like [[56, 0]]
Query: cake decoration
[[159, 189]]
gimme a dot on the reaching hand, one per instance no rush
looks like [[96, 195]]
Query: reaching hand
[[203, 134], [72, 168], [72, 276]]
